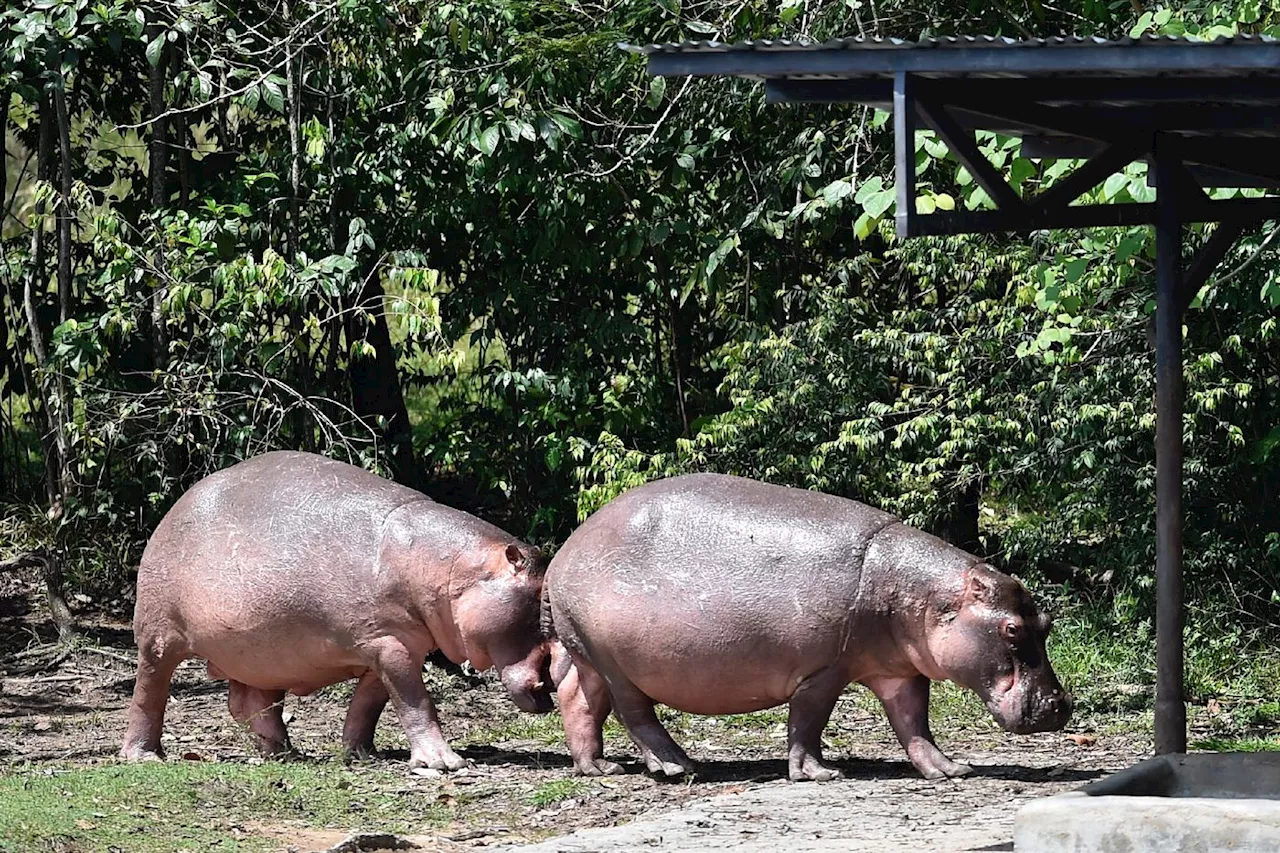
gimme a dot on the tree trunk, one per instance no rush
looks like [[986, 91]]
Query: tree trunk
[[159, 194], [34, 286], [51, 573], [960, 526], [375, 383], [64, 206], [293, 96]]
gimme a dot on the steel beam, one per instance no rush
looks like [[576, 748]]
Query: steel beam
[[1170, 710], [1243, 210], [904, 152]]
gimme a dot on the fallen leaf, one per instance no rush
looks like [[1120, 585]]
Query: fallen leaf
[[1213, 707], [84, 824], [42, 725], [1083, 740], [192, 756]]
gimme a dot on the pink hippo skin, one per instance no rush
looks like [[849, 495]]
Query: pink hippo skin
[[719, 595], [290, 572]]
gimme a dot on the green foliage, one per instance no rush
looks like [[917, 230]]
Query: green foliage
[[581, 278]]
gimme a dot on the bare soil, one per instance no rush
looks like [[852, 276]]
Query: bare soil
[[71, 714]]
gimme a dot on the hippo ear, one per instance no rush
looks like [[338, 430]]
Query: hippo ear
[[516, 559], [979, 588]]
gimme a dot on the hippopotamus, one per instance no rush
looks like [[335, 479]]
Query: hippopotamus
[[290, 572], [714, 594]]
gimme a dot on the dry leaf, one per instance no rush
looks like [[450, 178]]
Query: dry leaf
[[1083, 740], [84, 824], [192, 756]]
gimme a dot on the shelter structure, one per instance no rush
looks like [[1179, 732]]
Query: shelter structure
[[1203, 114]]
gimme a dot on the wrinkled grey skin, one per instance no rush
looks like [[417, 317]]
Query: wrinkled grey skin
[[290, 572], [720, 595]]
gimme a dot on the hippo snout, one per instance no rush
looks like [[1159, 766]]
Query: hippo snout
[[529, 687], [535, 700], [1046, 712]]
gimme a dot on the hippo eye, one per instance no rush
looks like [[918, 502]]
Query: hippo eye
[[1011, 630]]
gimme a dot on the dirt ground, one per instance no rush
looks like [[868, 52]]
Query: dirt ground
[[519, 791]]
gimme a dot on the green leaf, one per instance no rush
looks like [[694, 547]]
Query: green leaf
[[1129, 247], [154, 47], [880, 202], [272, 95], [925, 204], [833, 192], [657, 88], [487, 142], [1075, 268], [944, 201], [868, 189], [684, 161], [568, 124], [1114, 185], [864, 225]]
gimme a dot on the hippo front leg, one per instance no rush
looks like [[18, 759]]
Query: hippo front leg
[[906, 701], [401, 672]]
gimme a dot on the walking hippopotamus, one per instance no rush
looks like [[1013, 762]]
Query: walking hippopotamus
[[721, 595], [290, 572]]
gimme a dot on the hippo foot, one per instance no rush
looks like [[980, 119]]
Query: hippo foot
[[442, 759], [950, 770], [363, 752], [813, 770], [597, 767], [141, 753], [658, 767]]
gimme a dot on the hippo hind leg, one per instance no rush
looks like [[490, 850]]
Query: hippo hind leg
[[366, 707], [584, 705], [659, 752], [810, 709], [158, 657], [906, 702], [263, 712]]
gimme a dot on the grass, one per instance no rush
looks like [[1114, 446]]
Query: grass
[[1239, 744], [556, 791], [546, 729], [181, 806]]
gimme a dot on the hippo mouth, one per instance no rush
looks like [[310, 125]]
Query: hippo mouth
[[1024, 712], [534, 701]]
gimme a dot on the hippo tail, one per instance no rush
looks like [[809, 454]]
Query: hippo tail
[[546, 623]]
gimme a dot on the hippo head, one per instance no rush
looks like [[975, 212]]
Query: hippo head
[[498, 619], [992, 641]]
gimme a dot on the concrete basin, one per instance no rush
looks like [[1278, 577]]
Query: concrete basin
[[1203, 803]]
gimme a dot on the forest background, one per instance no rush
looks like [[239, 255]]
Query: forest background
[[473, 246]]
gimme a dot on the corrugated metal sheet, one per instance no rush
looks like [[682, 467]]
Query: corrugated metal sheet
[[944, 43]]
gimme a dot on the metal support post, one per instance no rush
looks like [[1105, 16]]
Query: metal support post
[[1170, 710]]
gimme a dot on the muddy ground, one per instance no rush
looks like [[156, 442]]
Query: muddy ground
[[70, 714]]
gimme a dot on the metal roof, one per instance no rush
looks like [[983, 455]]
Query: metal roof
[[968, 56]]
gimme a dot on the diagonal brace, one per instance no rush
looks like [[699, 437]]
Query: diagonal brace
[[1098, 168], [965, 149], [1207, 259]]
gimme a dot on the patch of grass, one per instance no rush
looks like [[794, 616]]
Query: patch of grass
[[545, 729], [557, 790], [194, 806], [1239, 744], [759, 721]]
